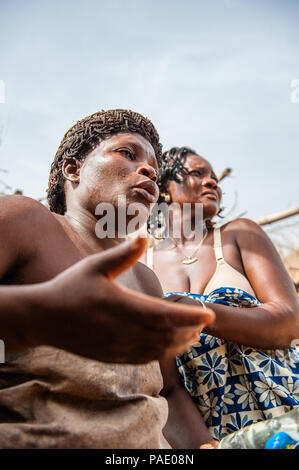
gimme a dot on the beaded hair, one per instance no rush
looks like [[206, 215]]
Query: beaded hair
[[85, 135]]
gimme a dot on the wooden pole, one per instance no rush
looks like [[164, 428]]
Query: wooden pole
[[225, 173], [278, 216]]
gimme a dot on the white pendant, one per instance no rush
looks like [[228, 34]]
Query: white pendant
[[189, 260]]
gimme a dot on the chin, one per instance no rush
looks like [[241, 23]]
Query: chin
[[210, 212]]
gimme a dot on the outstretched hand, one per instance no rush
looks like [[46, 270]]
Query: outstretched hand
[[91, 315]]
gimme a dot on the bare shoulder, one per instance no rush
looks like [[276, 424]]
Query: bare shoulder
[[253, 242], [22, 215], [245, 230], [262, 264], [241, 224], [15, 208], [22, 221]]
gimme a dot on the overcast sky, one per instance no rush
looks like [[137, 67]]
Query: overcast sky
[[213, 75]]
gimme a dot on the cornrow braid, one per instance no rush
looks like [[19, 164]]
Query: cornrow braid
[[85, 135], [172, 166]]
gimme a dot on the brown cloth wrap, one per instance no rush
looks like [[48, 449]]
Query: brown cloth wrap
[[50, 398]]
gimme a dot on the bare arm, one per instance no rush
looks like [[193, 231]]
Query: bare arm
[[82, 309], [275, 323], [185, 427]]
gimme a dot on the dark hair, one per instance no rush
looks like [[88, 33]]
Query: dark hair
[[85, 135], [172, 166]]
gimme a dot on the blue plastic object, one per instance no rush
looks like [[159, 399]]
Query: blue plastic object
[[281, 440]]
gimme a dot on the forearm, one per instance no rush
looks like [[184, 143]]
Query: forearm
[[270, 326], [19, 305], [266, 327], [185, 427]]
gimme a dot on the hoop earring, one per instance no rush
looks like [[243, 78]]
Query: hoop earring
[[220, 212], [167, 198]]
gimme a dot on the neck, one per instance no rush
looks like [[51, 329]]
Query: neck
[[184, 228], [85, 225]]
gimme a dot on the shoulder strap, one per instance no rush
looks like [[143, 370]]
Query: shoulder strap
[[150, 257], [217, 244]]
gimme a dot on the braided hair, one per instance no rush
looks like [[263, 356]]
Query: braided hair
[[85, 135], [172, 167]]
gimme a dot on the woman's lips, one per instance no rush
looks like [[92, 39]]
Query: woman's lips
[[146, 194], [148, 189], [210, 195]]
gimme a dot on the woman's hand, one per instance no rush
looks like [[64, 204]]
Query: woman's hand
[[84, 311]]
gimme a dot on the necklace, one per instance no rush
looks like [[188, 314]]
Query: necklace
[[192, 258]]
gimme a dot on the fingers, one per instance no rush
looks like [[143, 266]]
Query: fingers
[[174, 351], [182, 299], [159, 345], [161, 315], [180, 340], [210, 445], [114, 261], [180, 337]]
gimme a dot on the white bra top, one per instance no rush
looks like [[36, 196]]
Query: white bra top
[[224, 276]]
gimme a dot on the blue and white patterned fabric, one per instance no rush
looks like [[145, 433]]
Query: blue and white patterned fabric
[[232, 385]]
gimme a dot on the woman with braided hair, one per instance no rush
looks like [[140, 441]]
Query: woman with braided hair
[[84, 324], [242, 369]]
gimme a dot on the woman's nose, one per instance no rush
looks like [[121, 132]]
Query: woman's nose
[[209, 182], [147, 171]]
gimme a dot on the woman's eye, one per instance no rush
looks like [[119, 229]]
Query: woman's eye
[[126, 153], [195, 173]]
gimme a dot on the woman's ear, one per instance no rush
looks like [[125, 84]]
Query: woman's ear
[[71, 170]]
